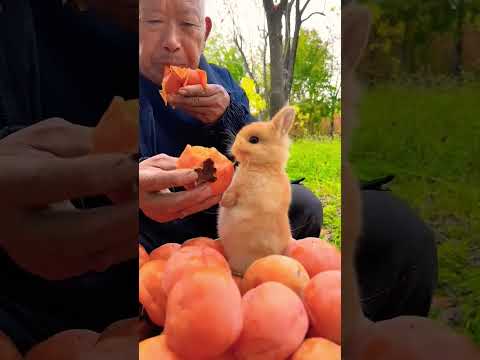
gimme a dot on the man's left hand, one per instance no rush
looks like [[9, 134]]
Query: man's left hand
[[207, 105]]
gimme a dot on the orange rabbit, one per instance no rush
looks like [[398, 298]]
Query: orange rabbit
[[253, 218]]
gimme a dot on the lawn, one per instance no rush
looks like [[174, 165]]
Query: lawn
[[427, 138], [318, 161]]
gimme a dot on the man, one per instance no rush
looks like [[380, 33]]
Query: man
[[175, 33], [63, 267]]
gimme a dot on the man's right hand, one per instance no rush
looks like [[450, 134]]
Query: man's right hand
[[43, 167], [156, 175]]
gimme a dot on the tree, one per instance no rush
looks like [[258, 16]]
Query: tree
[[218, 52], [283, 46]]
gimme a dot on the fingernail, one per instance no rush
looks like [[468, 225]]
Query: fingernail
[[182, 92]]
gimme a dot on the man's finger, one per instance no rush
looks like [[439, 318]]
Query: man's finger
[[177, 201], [207, 204], [192, 101], [162, 161], [198, 90], [38, 182], [154, 179]]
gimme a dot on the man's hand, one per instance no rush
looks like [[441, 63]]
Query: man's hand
[[156, 176], [43, 167], [208, 105]]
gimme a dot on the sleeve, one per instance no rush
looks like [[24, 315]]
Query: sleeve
[[223, 132]]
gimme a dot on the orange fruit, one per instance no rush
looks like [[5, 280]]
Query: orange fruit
[[176, 77], [150, 290]]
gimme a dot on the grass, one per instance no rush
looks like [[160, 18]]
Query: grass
[[319, 162], [427, 138]]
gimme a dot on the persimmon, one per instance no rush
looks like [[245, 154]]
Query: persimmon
[[8, 350], [164, 251], [189, 260], [315, 254], [151, 293], [277, 268], [205, 242], [275, 323], [322, 299], [211, 165], [155, 348], [118, 128], [204, 315], [316, 349], [176, 77], [143, 256]]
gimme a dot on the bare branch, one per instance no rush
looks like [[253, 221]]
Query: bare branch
[[304, 7], [314, 13], [238, 40]]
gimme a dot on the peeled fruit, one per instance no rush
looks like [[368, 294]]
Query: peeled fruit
[[118, 129], [155, 348], [142, 256], [176, 77], [317, 349], [65, 345], [315, 255], [275, 323], [211, 165], [277, 268], [190, 259], [322, 298], [204, 315], [8, 350], [150, 290], [164, 251], [205, 242]]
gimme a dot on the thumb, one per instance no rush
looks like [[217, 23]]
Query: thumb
[[154, 179]]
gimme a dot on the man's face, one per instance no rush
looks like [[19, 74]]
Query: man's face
[[172, 32]]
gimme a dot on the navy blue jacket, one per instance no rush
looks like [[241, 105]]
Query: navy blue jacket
[[164, 130]]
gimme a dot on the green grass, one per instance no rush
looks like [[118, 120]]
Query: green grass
[[427, 138], [319, 162]]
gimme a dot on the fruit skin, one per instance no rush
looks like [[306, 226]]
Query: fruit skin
[[322, 299], [315, 255], [65, 345], [189, 260], [275, 323], [279, 268], [204, 315], [151, 293], [175, 77], [8, 350], [193, 157], [317, 349], [205, 242], [143, 256], [164, 251], [156, 348]]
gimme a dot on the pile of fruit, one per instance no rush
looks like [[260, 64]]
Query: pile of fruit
[[284, 307]]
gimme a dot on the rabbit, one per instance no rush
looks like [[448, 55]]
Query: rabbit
[[253, 217]]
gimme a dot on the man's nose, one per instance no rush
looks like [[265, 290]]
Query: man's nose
[[172, 41]]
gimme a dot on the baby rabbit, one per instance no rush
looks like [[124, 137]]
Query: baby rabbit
[[253, 218]]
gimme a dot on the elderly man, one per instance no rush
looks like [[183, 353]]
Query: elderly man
[[175, 33]]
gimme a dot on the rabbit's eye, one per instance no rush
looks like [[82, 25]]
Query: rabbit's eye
[[254, 140]]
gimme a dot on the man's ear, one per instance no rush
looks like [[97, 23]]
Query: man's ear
[[208, 27]]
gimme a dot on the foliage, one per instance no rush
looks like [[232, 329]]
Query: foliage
[[257, 102], [218, 51]]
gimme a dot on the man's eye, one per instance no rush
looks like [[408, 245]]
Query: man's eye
[[189, 24], [153, 22], [254, 140]]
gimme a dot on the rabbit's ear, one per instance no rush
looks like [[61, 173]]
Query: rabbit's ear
[[283, 120], [356, 22]]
